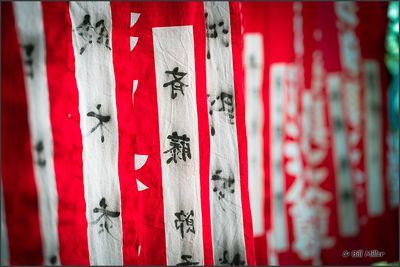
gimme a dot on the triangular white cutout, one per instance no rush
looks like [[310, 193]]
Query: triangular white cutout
[[134, 18], [141, 186], [133, 41], [140, 160], [134, 88], [135, 85]]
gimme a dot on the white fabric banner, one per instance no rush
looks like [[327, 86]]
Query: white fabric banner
[[373, 133], [279, 225], [225, 193], [91, 35], [254, 70], [347, 213], [179, 143], [30, 31]]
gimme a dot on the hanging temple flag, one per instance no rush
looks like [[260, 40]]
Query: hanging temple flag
[[324, 180], [196, 133]]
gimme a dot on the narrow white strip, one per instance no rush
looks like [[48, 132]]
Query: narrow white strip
[[373, 133], [4, 252], [277, 100], [91, 34], [134, 18], [306, 116], [226, 206], [30, 31], [254, 60], [347, 213], [179, 143]]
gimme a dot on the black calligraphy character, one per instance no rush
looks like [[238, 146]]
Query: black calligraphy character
[[338, 124], [39, 147], [186, 261], [215, 31], [278, 131], [278, 83], [211, 103], [346, 195], [180, 147], [372, 81], [107, 214], [277, 165], [86, 31], [176, 83], [335, 95], [227, 106], [184, 220], [102, 33], [235, 261], [227, 184], [278, 197], [252, 62], [29, 61], [375, 107], [102, 119], [53, 260], [253, 128], [344, 164]]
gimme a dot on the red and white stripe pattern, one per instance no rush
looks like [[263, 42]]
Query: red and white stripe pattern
[[124, 134], [91, 63]]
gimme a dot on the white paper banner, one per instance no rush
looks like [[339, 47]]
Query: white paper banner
[[373, 133], [254, 60], [179, 143], [225, 193], [94, 71], [277, 100], [347, 213], [30, 31]]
